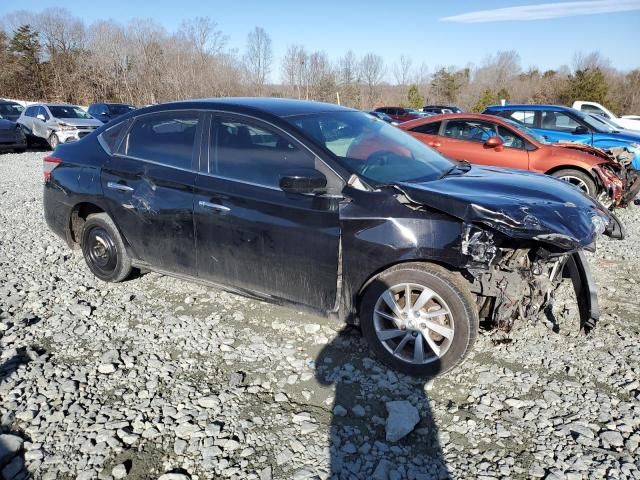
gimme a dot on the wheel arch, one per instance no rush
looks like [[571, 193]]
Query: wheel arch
[[357, 298]]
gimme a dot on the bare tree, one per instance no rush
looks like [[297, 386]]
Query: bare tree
[[293, 69], [402, 70], [372, 69], [348, 77], [258, 58]]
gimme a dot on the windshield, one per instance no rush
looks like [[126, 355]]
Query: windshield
[[10, 110], [120, 109], [597, 125], [373, 149], [527, 131], [60, 111], [605, 123]]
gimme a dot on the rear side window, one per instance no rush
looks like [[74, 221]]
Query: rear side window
[[469, 130], [249, 152], [428, 128], [166, 138]]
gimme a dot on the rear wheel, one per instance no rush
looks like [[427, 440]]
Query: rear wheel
[[419, 319], [580, 179], [54, 141], [103, 249]]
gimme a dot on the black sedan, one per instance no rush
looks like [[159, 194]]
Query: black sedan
[[12, 137], [329, 208]]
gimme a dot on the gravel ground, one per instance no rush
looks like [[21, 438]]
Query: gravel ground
[[155, 376]]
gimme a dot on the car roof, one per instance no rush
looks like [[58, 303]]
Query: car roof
[[530, 107], [279, 107]]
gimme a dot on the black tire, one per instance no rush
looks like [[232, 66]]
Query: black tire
[[582, 180], [451, 288], [54, 141], [103, 249]]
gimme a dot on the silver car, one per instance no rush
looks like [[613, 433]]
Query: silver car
[[56, 123]]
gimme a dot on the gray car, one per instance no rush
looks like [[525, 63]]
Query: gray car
[[57, 123]]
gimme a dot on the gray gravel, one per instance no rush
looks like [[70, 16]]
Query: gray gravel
[[160, 378]]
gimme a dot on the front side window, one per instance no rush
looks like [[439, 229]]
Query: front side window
[[510, 139], [251, 152], [558, 121], [30, 112], [469, 130], [166, 138], [373, 149], [68, 111], [428, 128], [43, 111]]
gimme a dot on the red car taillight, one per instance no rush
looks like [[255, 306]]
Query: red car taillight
[[49, 163]]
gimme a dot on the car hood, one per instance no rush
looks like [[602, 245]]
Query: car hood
[[81, 122], [518, 204], [624, 135]]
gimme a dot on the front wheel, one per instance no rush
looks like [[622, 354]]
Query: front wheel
[[104, 250], [54, 141], [419, 319], [580, 179]]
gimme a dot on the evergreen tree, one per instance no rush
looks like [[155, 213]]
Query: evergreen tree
[[415, 99]]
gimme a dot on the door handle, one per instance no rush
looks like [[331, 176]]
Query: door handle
[[434, 144], [214, 206], [119, 186]]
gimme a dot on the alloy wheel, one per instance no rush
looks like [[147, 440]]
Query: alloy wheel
[[413, 323], [578, 182]]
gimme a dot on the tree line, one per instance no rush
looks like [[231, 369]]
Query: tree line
[[55, 56]]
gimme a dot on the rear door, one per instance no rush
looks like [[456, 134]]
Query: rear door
[[464, 139], [557, 126], [149, 183], [252, 235]]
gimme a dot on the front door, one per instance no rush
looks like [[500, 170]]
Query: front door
[[561, 127], [252, 235], [149, 184]]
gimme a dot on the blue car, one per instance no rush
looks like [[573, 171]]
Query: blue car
[[556, 123]]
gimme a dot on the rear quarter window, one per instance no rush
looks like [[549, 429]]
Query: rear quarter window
[[112, 138]]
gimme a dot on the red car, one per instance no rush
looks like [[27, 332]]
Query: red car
[[400, 114], [489, 140]]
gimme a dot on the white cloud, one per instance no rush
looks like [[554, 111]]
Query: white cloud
[[545, 11]]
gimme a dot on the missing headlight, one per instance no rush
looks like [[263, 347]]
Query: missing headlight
[[478, 244]]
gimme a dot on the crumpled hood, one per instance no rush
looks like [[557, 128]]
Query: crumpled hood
[[82, 122], [516, 203]]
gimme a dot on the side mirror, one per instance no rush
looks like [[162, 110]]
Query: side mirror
[[40, 117], [581, 130], [305, 180], [493, 142]]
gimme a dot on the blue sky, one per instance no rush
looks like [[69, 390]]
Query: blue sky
[[419, 29]]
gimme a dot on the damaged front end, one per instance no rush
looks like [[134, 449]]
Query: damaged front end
[[521, 235], [514, 283], [618, 180]]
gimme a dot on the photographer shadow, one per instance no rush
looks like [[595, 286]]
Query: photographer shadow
[[357, 440]]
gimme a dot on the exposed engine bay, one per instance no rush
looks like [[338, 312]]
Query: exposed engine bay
[[618, 178], [519, 283]]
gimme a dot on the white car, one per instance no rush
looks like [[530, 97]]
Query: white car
[[628, 122], [56, 123]]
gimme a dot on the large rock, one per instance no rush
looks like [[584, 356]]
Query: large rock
[[403, 417]]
